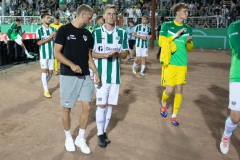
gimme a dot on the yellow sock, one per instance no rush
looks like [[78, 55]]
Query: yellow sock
[[164, 98], [55, 65], [177, 103]]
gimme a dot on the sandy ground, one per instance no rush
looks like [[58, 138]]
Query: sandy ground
[[31, 124]]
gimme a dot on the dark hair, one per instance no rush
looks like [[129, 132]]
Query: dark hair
[[56, 17], [131, 22], [18, 20], [44, 14], [99, 17]]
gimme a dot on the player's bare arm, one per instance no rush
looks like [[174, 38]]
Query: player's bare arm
[[58, 55], [51, 37], [137, 36], [122, 55], [93, 68], [1, 36], [103, 55]]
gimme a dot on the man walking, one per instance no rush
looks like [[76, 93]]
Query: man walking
[[110, 44], [234, 87], [46, 35], [73, 49], [56, 24], [142, 33], [175, 39]]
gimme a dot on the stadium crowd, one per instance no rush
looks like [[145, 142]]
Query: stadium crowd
[[202, 13]]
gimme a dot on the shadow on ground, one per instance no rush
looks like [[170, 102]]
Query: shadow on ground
[[214, 110]]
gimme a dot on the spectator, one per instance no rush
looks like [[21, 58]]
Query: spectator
[[29, 11], [205, 25], [145, 12], [129, 12], [191, 7], [138, 12], [225, 16], [67, 12]]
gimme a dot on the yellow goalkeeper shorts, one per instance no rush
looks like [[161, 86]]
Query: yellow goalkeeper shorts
[[173, 75]]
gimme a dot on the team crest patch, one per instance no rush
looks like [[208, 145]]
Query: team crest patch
[[117, 38], [99, 99], [234, 103], [66, 102], [85, 38]]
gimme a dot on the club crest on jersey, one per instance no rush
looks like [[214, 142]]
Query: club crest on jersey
[[85, 38], [117, 38]]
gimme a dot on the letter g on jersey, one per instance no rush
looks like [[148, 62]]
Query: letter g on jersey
[[100, 48]]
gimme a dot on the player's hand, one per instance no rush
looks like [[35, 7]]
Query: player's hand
[[76, 68], [97, 79], [150, 36], [143, 38], [53, 35], [180, 31], [189, 39], [110, 54]]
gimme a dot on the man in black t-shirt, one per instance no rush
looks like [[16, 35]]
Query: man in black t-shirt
[[73, 49]]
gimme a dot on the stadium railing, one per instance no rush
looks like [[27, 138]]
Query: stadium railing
[[195, 22]]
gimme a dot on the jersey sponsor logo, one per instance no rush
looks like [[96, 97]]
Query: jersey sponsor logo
[[71, 37], [109, 49], [100, 48], [44, 37], [172, 27], [85, 38]]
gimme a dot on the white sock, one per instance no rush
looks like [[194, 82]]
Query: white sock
[[26, 52], [174, 115], [229, 127], [44, 82], [100, 120], [108, 114], [68, 134], [142, 68], [81, 133], [134, 65]]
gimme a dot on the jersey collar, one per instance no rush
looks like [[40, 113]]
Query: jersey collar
[[45, 27], [177, 24], [110, 32]]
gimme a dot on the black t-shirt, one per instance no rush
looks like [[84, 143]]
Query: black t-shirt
[[76, 44]]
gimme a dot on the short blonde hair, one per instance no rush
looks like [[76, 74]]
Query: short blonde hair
[[84, 8], [179, 6], [109, 6]]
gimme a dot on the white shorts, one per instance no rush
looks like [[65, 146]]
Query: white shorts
[[107, 94], [47, 64], [141, 52], [234, 96], [18, 40]]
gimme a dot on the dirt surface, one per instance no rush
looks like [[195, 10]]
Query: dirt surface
[[31, 125]]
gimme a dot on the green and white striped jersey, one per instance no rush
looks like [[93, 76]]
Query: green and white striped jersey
[[105, 42], [45, 50], [142, 31]]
